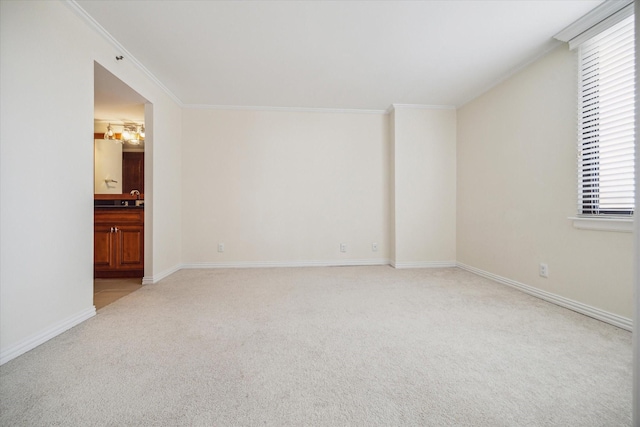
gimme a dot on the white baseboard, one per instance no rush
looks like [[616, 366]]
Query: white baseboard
[[424, 264], [43, 336], [596, 313], [150, 280], [66, 324], [269, 264]]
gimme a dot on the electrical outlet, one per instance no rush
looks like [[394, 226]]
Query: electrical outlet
[[543, 270], [374, 247], [343, 247], [220, 247]]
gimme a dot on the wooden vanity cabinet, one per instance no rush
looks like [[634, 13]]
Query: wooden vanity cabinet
[[118, 242]]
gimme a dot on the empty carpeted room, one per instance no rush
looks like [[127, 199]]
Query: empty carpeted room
[[355, 213]]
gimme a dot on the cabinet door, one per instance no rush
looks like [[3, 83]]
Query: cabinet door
[[103, 250], [130, 247]]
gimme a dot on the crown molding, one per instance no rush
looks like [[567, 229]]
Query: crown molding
[[393, 107], [319, 110], [79, 11], [282, 109], [591, 19], [100, 30], [512, 72]]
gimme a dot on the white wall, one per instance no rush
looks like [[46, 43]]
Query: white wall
[[284, 187], [424, 177], [46, 197], [517, 187], [163, 168]]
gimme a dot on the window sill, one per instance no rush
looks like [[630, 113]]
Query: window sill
[[621, 225]]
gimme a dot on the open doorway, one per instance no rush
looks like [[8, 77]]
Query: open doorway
[[120, 188]]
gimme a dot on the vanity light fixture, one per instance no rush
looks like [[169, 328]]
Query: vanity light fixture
[[132, 133], [109, 133], [125, 135]]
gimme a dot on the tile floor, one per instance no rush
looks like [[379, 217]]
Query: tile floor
[[106, 291]]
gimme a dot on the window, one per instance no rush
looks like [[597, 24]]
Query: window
[[606, 122]]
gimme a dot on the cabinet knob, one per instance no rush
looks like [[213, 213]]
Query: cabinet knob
[[111, 229], [116, 229]]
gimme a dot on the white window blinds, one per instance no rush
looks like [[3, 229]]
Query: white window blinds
[[606, 122]]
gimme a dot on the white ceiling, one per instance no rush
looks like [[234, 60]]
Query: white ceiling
[[333, 54]]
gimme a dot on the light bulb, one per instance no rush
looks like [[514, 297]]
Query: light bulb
[[109, 133]]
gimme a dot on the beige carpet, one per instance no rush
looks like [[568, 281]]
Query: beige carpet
[[343, 346]]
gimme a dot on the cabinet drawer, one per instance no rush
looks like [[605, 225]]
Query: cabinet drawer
[[115, 216]]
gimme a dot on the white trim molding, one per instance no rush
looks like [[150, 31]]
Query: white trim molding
[[155, 278], [587, 310], [40, 338], [423, 264], [78, 10], [283, 109], [621, 225], [271, 264], [393, 107], [510, 73]]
